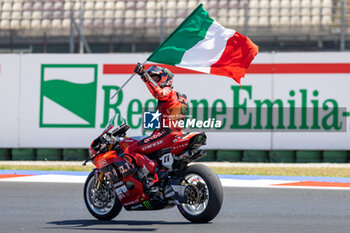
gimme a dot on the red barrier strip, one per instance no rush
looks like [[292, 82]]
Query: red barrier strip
[[129, 69], [12, 176], [310, 68], [316, 184]]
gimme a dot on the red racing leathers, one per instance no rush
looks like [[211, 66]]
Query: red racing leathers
[[173, 107]]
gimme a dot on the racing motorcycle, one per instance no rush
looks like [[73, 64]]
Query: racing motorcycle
[[117, 182]]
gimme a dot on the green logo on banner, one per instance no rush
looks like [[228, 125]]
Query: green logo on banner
[[68, 95]]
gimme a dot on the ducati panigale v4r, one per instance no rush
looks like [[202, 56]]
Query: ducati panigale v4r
[[116, 182]]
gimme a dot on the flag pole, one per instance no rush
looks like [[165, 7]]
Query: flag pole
[[124, 84]]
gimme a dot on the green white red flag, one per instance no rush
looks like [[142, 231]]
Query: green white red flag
[[202, 44]]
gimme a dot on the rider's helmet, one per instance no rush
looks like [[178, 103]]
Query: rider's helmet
[[162, 76]]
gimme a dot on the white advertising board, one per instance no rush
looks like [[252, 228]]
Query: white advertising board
[[63, 100], [9, 100]]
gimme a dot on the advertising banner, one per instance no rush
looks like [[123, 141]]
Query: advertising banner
[[286, 100], [9, 100]]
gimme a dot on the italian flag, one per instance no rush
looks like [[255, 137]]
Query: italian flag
[[202, 44]]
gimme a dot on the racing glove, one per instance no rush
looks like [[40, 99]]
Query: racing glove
[[140, 70]]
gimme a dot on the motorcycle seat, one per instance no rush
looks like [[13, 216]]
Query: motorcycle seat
[[157, 154]]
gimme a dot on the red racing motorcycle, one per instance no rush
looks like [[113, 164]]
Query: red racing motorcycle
[[116, 183]]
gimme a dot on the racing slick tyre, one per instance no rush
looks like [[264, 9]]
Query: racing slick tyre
[[204, 205], [102, 203]]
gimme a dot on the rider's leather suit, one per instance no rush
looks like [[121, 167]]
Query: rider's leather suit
[[173, 107]]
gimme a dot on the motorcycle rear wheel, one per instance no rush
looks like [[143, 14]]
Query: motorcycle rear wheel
[[103, 204], [207, 209]]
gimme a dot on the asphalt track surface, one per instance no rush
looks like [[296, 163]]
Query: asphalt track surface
[[59, 207]]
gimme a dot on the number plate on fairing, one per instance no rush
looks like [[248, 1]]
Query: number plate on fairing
[[167, 161], [122, 192]]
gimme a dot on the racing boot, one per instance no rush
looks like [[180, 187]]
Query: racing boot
[[159, 175]]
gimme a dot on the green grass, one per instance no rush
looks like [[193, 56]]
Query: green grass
[[241, 170]]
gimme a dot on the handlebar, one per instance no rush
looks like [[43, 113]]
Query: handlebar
[[121, 130]]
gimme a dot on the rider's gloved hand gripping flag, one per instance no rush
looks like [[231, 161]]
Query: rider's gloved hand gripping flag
[[202, 44]]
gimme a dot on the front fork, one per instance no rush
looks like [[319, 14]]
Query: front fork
[[99, 177]]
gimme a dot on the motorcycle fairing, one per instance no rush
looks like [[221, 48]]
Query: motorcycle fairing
[[189, 142], [131, 192]]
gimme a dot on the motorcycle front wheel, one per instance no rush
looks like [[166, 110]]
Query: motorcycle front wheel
[[102, 203], [207, 194]]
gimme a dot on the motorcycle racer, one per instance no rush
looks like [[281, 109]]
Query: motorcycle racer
[[172, 106]]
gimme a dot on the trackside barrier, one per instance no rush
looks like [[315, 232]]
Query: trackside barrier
[[23, 154], [228, 155], [335, 156], [308, 156], [255, 156], [75, 154], [287, 101], [49, 154], [282, 156], [211, 156], [5, 154], [274, 156]]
